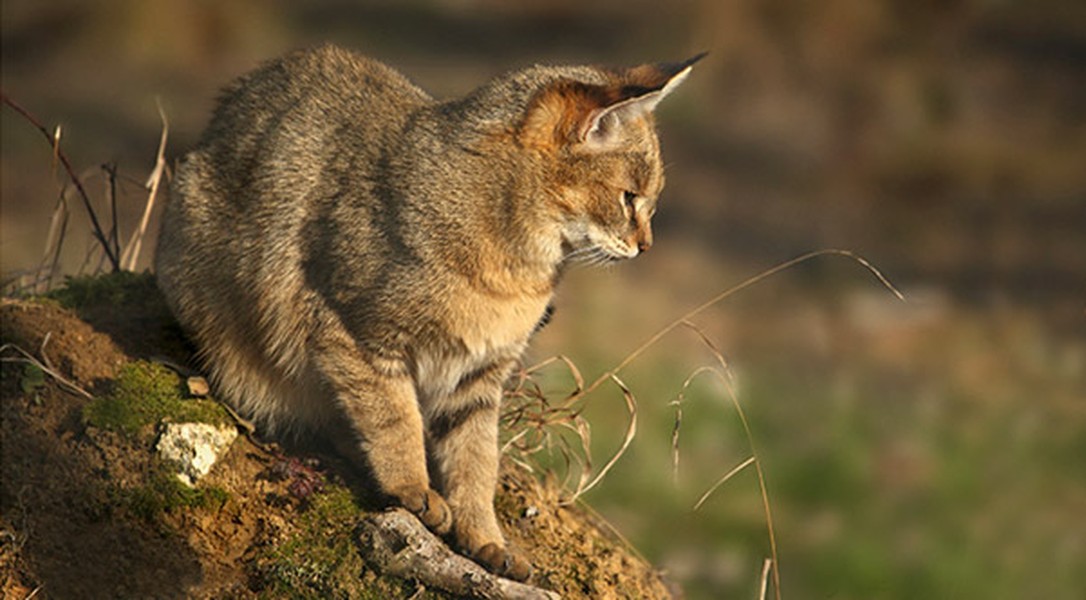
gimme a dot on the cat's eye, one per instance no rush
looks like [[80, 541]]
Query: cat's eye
[[628, 199]]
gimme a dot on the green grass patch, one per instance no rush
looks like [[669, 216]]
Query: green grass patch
[[144, 394], [33, 378], [165, 493], [112, 289]]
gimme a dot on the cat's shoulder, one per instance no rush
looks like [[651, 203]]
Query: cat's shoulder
[[330, 69]]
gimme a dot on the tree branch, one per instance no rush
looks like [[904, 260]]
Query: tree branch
[[395, 542]]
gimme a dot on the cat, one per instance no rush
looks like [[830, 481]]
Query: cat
[[355, 259]]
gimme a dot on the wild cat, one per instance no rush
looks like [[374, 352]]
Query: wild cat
[[358, 260]]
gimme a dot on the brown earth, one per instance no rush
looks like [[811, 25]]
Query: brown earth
[[77, 519]]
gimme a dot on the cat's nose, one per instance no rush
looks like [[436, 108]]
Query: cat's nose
[[643, 245]]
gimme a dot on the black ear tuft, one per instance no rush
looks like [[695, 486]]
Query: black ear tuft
[[648, 78], [636, 92]]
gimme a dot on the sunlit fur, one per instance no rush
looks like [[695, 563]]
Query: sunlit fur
[[357, 260]]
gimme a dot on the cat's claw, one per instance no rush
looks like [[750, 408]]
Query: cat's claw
[[430, 508], [500, 561]]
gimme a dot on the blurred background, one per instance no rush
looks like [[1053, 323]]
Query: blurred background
[[934, 448]]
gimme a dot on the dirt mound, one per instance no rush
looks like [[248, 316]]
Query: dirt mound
[[87, 510]]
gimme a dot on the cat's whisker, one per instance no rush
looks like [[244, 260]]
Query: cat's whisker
[[586, 256], [600, 258], [579, 253]]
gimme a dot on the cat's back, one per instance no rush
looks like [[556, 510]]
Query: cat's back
[[296, 113], [285, 144]]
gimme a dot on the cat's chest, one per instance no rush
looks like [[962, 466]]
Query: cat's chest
[[485, 331]]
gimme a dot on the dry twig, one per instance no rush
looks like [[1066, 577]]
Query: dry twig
[[27, 358], [132, 249], [396, 542], [58, 154]]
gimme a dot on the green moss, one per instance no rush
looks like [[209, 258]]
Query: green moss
[[32, 379], [145, 393], [322, 560], [112, 289], [165, 493]]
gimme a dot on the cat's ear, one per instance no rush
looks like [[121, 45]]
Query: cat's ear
[[636, 92], [591, 117]]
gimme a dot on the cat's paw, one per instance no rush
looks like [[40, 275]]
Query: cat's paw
[[501, 561], [429, 507]]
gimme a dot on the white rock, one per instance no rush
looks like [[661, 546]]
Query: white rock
[[194, 447]]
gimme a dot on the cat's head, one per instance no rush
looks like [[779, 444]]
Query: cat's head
[[596, 134]]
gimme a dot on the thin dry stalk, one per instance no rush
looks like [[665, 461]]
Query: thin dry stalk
[[20, 282], [675, 442], [58, 154], [574, 372], [735, 471], [41, 350], [675, 430], [766, 565], [545, 428], [731, 292], [583, 429], [54, 241], [726, 378], [135, 243], [56, 149], [27, 358], [631, 431], [111, 195]]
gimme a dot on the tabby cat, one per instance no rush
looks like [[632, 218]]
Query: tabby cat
[[358, 260]]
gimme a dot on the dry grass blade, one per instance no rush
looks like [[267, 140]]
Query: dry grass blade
[[56, 148], [574, 372], [678, 404], [541, 427], [21, 282], [111, 195], [726, 374], [27, 358], [734, 290], [54, 241], [722, 480], [54, 142], [675, 441], [631, 431], [766, 565], [584, 434], [135, 243], [726, 378]]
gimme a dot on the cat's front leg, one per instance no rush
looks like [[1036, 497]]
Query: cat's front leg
[[382, 424], [463, 433]]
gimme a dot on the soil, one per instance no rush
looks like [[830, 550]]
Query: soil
[[89, 512]]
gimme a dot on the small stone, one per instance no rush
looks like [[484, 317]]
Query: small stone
[[197, 386], [194, 447]]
